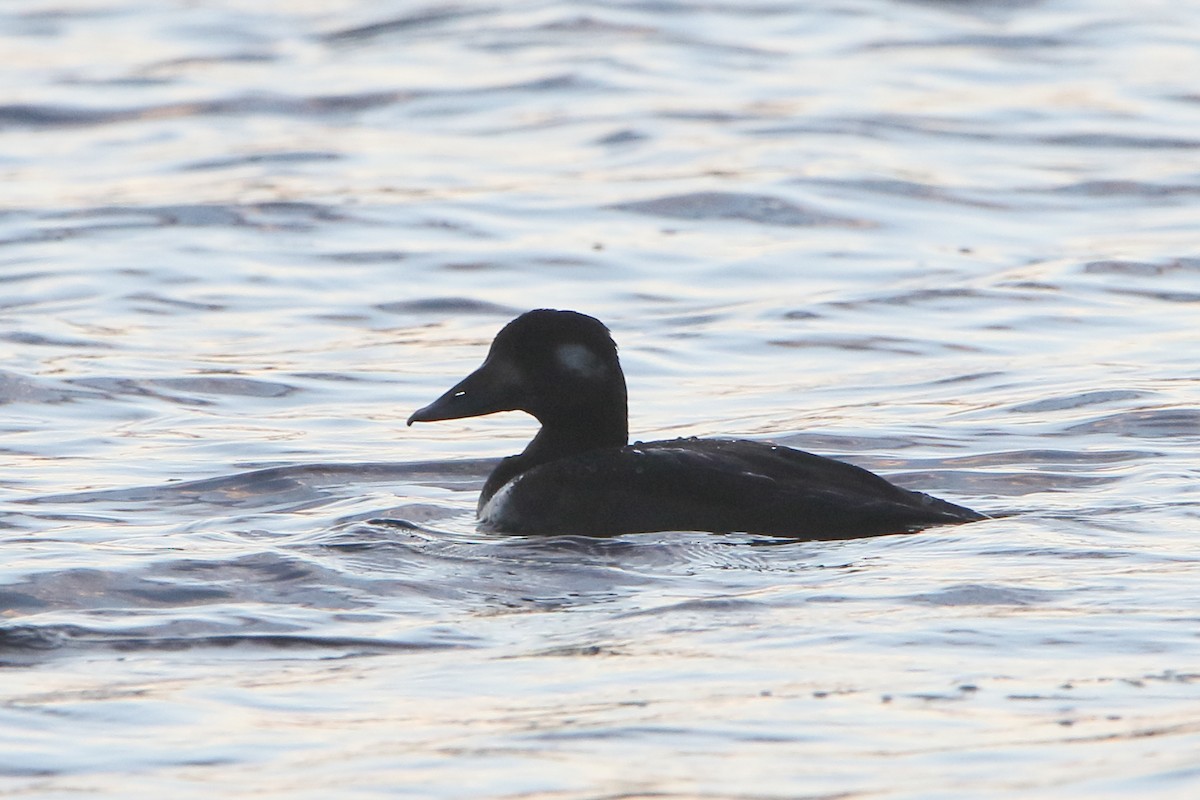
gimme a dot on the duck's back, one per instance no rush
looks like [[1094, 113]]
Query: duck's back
[[716, 485]]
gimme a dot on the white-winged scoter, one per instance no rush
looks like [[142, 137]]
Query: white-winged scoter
[[580, 475]]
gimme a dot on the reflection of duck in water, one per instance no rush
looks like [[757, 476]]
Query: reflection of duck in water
[[580, 476]]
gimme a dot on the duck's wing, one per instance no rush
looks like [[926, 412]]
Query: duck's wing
[[712, 485]]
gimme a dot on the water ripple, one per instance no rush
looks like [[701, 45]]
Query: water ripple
[[762, 209]]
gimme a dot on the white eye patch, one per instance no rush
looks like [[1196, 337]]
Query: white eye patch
[[579, 359]]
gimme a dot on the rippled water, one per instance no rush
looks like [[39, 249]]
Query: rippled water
[[954, 242]]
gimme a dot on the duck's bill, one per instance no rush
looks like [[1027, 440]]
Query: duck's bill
[[489, 389]]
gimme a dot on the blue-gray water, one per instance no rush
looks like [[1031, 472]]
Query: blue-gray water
[[955, 242]]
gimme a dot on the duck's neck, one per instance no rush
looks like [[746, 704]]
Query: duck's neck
[[558, 441], [554, 442]]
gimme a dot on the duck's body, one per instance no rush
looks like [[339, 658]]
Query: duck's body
[[580, 476], [707, 485]]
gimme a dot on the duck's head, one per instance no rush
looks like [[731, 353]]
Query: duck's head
[[559, 366]]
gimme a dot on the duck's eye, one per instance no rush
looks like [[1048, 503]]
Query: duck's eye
[[579, 359]]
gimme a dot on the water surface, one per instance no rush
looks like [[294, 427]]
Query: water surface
[[955, 243]]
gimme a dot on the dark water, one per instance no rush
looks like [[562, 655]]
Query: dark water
[[956, 243]]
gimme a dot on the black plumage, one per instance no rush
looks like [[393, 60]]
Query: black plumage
[[580, 476]]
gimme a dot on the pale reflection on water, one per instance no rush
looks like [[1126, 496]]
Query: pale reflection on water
[[954, 243]]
